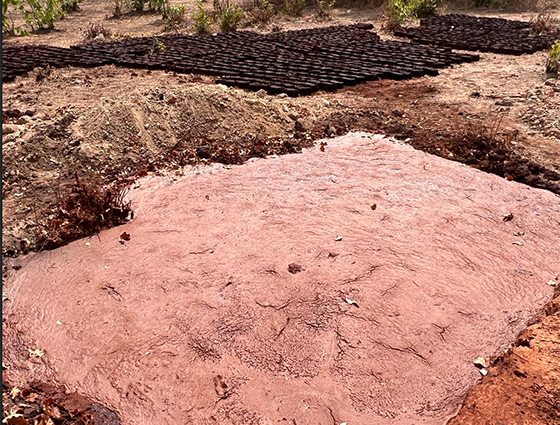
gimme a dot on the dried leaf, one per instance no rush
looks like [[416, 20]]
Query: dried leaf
[[51, 409], [31, 397], [508, 217], [14, 392]]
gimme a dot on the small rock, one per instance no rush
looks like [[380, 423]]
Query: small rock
[[475, 94], [300, 127], [146, 126], [330, 131], [294, 116], [14, 113], [30, 112], [397, 113], [261, 93], [23, 120], [172, 100], [294, 268], [8, 129], [282, 96], [504, 103], [204, 151]]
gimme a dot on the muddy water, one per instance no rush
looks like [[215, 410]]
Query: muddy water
[[352, 285]]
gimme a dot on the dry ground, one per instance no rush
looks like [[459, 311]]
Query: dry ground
[[107, 124]]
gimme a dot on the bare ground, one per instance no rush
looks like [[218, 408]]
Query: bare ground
[[109, 124]]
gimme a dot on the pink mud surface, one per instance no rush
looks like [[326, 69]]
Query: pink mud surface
[[203, 289]]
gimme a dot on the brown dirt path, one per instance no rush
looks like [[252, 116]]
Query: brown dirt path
[[235, 300]]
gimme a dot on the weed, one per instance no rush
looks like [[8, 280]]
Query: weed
[[175, 17], [294, 7], [424, 8], [201, 20], [96, 31], [398, 11], [544, 23], [69, 6], [158, 46], [138, 5], [43, 14], [8, 24], [553, 60], [324, 8], [43, 73], [261, 13], [230, 18], [120, 7]]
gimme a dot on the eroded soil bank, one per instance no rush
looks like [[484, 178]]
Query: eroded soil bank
[[292, 289]]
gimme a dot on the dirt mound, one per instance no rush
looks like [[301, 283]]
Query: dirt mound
[[294, 289]]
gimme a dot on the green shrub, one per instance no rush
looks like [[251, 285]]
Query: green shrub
[[201, 20], [158, 46], [424, 8], [158, 5], [175, 17], [69, 6], [553, 61], [294, 7], [324, 7], [120, 7], [230, 18], [138, 5], [260, 12], [8, 24], [43, 14], [399, 11]]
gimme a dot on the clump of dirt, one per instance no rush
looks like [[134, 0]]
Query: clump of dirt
[[523, 385], [44, 404]]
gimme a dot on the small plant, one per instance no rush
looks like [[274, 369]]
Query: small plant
[[96, 31], [553, 61], [544, 23], [262, 13], [201, 20], [8, 24], [138, 5], [69, 6], [294, 7], [43, 14], [424, 8], [230, 18], [175, 17], [43, 73], [398, 11], [120, 7], [158, 46], [324, 8]]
